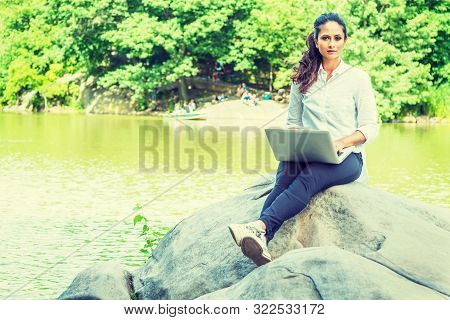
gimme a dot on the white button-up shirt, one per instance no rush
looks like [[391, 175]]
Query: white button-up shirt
[[343, 104]]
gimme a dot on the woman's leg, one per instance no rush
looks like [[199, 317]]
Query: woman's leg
[[312, 179], [286, 173], [251, 236]]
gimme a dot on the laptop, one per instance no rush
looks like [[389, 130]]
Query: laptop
[[304, 145]]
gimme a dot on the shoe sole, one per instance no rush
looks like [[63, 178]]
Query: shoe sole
[[234, 234], [253, 250]]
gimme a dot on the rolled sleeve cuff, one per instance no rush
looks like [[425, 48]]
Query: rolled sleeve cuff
[[370, 132]]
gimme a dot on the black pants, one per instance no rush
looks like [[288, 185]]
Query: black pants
[[297, 182]]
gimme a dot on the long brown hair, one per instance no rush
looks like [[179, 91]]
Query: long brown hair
[[305, 73]]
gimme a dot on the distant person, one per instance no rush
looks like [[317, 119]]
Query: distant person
[[253, 102], [246, 97], [192, 106], [346, 109], [218, 98], [218, 70], [177, 107], [186, 107], [241, 89], [222, 97]]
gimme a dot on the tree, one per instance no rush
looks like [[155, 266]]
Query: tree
[[139, 45], [390, 41], [29, 55]]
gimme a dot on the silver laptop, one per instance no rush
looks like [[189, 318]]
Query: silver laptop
[[304, 145]]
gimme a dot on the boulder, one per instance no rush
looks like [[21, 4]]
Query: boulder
[[327, 273], [103, 281], [351, 242], [98, 100], [409, 119], [101, 101], [406, 237], [422, 120], [277, 98], [197, 256], [434, 120]]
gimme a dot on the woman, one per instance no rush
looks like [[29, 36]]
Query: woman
[[218, 70], [326, 94], [192, 105]]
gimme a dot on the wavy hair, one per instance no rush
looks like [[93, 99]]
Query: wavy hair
[[305, 73]]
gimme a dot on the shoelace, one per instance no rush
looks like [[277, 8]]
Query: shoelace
[[258, 233]]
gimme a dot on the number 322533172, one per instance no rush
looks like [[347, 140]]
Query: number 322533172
[[281, 308]]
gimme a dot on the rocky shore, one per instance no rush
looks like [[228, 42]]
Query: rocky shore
[[96, 100]]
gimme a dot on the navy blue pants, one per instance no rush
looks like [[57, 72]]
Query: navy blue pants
[[297, 182]]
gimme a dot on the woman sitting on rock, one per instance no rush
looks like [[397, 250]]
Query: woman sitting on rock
[[326, 94]]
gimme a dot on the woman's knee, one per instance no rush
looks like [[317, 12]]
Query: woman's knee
[[346, 172], [354, 168]]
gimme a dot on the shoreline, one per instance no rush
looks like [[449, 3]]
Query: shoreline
[[231, 109]]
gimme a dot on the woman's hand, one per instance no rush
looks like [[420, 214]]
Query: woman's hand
[[339, 145], [356, 138]]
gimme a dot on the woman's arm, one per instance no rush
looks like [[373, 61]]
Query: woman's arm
[[295, 109], [367, 117], [352, 140]]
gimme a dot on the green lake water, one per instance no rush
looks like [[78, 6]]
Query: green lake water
[[65, 179]]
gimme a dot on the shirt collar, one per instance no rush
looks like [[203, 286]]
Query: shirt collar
[[340, 68]]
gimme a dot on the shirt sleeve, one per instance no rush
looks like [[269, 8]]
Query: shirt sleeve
[[367, 116], [295, 109]]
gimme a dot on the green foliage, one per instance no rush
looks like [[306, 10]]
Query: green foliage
[[274, 32], [139, 45], [152, 234], [22, 77], [397, 79], [395, 41], [165, 42], [439, 101], [30, 59], [392, 41], [83, 24]]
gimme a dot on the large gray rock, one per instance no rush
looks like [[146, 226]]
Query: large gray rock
[[326, 273], [103, 281], [406, 237], [197, 256], [384, 247]]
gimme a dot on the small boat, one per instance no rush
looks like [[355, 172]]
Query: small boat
[[187, 116]]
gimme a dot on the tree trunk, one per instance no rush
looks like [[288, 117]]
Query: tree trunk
[[270, 78], [182, 89], [45, 103]]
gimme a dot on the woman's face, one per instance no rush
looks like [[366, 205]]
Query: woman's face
[[330, 40]]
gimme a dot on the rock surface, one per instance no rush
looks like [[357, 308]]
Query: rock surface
[[103, 281], [326, 273], [351, 242]]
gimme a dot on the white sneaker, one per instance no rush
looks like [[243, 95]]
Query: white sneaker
[[252, 240]]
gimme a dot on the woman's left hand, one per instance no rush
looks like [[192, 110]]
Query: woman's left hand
[[339, 145]]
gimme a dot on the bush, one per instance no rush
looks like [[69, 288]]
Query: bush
[[438, 101]]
